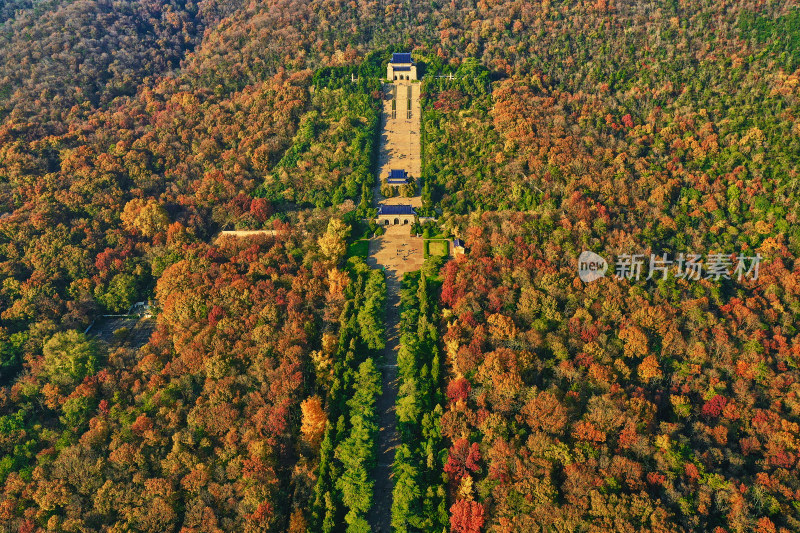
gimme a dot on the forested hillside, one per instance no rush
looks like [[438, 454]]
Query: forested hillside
[[132, 132], [656, 407]]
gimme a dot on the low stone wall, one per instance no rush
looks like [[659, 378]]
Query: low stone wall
[[248, 232]]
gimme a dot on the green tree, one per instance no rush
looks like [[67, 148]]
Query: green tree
[[69, 356], [370, 315], [120, 294], [407, 493], [357, 451]]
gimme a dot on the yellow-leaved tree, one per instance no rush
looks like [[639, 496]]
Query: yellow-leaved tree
[[314, 419], [333, 244], [146, 216]]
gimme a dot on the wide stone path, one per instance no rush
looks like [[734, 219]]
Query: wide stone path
[[397, 252], [400, 146]]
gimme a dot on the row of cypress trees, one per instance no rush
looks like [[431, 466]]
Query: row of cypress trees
[[343, 492], [419, 499]]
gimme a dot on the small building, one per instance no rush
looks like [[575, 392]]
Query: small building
[[401, 67], [397, 177], [458, 247], [141, 309], [395, 214]]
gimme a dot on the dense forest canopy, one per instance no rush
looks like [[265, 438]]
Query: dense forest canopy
[[132, 132]]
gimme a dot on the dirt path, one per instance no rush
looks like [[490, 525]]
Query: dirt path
[[380, 516], [397, 252]]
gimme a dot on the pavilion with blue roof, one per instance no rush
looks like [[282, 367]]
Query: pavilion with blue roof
[[401, 67], [397, 177]]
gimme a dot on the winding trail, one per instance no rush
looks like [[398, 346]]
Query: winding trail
[[397, 252]]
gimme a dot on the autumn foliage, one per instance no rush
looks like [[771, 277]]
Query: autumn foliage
[[612, 395], [133, 132]]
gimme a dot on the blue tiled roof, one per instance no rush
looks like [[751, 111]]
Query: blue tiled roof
[[401, 58], [458, 242], [401, 69], [397, 175], [395, 210]]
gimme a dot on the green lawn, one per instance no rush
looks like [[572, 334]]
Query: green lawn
[[359, 248], [437, 247]]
